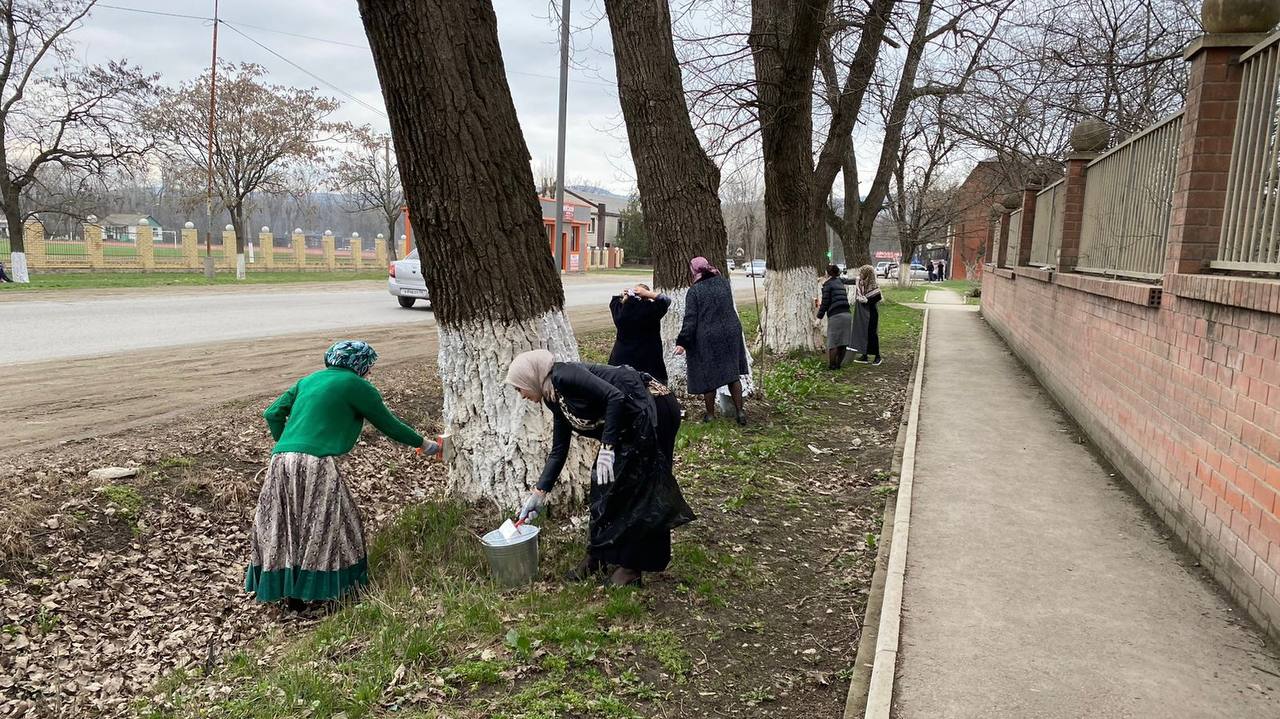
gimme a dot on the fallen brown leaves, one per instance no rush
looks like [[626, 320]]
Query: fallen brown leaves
[[97, 605]]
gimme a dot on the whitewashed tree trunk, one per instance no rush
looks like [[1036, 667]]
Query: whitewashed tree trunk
[[788, 308], [240, 266], [18, 267], [500, 441]]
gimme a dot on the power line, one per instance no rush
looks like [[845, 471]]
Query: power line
[[231, 25], [302, 69], [154, 12]]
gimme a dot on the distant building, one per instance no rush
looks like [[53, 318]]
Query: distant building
[[123, 226], [606, 212], [970, 233]]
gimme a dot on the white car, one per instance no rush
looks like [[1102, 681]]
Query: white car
[[729, 263], [918, 272], [755, 268], [405, 281], [882, 268]]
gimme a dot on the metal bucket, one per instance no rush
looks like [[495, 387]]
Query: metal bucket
[[512, 562]]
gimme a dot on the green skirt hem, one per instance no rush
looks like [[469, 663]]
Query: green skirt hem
[[304, 584]]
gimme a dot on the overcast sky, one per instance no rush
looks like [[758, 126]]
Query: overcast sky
[[179, 49]]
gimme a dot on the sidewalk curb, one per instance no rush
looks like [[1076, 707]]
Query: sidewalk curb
[[871, 685]]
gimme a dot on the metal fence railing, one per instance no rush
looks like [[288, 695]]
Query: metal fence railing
[[1128, 199], [1250, 229], [1046, 235], [1015, 238]]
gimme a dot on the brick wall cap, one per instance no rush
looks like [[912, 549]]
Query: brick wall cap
[[1083, 156], [1241, 40]]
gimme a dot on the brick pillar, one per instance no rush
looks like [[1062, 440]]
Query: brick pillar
[[33, 238], [267, 248], [1204, 150], [357, 252], [93, 244], [330, 258], [190, 247], [146, 244], [1026, 235], [229, 246], [1073, 209], [380, 250], [1001, 216]]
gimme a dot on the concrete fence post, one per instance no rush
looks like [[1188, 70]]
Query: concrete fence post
[[190, 246], [299, 242], [357, 252], [146, 244], [229, 246], [330, 256], [1204, 150], [93, 243], [267, 248], [33, 237], [380, 250]]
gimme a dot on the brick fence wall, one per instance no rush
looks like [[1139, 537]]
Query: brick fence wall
[[1179, 386]]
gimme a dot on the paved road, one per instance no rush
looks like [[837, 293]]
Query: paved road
[[101, 365], [1037, 585], [83, 324]]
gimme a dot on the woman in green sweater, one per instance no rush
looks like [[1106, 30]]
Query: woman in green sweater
[[308, 541]]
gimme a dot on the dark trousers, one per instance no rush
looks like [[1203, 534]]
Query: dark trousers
[[873, 330]]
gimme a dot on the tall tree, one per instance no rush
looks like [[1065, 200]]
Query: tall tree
[[261, 131], [784, 39], [679, 185], [956, 35], [369, 179], [473, 205], [922, 203], [55, 112]]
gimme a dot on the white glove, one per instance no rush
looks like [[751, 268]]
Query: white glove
[[604, 466], [535, 505]]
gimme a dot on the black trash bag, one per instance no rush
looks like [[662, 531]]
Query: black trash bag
[[642, 499]]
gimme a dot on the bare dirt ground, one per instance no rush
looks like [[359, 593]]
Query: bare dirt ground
[[46, 404], [111, 589]]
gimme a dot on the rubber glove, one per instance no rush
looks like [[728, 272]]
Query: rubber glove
[[430, 448], [604, 466], [533, 506]]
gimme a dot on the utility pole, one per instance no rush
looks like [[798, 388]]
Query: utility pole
[[564, 99], [208, 198]]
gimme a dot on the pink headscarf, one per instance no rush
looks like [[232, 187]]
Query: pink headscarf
[[700, 268]]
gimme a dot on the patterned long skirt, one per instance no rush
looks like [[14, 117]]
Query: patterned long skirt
[[308, 541]]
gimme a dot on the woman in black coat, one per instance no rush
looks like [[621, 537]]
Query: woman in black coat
[[637, 317], [635, 501], [711, 338]]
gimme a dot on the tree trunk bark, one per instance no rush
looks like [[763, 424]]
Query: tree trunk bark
[[392, 256], [465, 168], [238, 224], [784, 42], [679, 185], [17, 235]]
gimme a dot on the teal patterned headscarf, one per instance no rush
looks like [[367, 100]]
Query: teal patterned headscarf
[[355, 355]]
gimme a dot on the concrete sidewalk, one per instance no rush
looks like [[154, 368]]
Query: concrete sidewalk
[[1038, 585]]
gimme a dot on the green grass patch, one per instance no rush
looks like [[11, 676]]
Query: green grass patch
[[190, 278], [433, 637], [125, 500]]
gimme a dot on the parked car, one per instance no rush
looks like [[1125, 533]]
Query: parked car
[[731, 264], [755, 268], [918, 272], [882, 268], [405, 281]]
